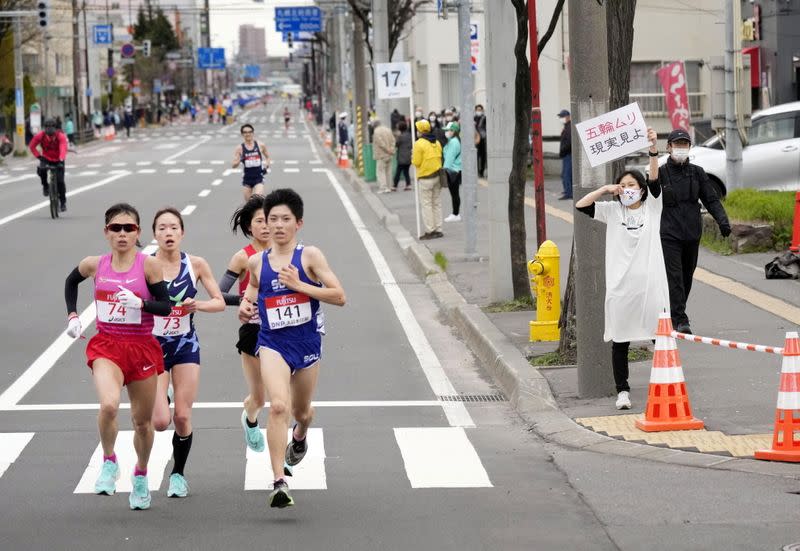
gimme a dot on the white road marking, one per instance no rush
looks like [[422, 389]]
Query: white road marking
[[456, 412], [88, 173], [204, 193], [204, 170], [291, 170], [315, 162], [229, 171], [195, 162], [18, 179], [313, 145], [43, 204], [18, 168], [94, 165], [144, 163], [308, 475], [217, 162], [167, 146], [291, 162], [119, 164], [176, 171], [188, 209], [146, 171], [440, 457], [216, 182], [11, 445], [126, 459], [228, 405], [39, 368]]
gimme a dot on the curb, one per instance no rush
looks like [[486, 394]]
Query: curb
[[525, 387]]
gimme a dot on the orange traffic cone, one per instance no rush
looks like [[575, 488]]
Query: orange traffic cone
[[667, 401], [786, 440], [327, 140], [344, 161]]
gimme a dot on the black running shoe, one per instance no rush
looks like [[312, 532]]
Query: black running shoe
[[296, 450], [280, 496]]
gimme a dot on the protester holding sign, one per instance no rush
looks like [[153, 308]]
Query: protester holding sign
[[636, 283], [681, 226]]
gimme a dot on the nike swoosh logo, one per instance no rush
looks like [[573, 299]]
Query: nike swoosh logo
[[148, 367], [129, 281]]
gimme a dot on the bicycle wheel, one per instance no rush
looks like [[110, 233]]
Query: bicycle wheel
[[53, 190]]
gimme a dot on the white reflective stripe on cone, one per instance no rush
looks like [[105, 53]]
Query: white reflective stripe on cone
[[666, 375], [791, 364], [789, 400], [665, 343]]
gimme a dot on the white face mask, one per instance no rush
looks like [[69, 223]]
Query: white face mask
[[448, 134], [432, 119], [679, 154], [630, 196], [563, 120]]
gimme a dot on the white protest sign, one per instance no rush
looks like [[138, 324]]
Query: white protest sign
[[613, 135], [393, 80]]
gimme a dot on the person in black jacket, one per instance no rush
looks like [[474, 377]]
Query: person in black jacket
[[565, 154], [480, 140], [683, 183]]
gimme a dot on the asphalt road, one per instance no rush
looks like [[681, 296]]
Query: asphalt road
[[390, 467]]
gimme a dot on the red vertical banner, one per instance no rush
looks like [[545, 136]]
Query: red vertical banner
[[673, 80]]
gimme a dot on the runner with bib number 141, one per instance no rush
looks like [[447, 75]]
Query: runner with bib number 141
[[287, 283]]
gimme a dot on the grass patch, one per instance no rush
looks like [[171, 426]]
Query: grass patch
[[770, 207], [441, 260], [516, 305], [635, 354], [716, 244]]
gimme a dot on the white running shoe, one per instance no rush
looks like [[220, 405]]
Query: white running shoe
[[624, 400], [453, 218]]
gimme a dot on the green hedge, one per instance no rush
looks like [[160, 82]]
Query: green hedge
[[773, 207]]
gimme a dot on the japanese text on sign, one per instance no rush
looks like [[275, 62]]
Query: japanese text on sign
[[613, 135]]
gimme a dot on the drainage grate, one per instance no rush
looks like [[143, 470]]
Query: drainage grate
[[498, 397]]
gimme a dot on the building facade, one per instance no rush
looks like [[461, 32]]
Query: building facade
[[252, 44]]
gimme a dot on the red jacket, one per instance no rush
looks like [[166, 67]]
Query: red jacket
[[54, 148]]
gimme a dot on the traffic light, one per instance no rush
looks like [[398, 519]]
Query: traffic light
[[42, 11], [289, 40], [146, 48]]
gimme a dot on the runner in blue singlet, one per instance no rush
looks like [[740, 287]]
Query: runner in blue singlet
[[178, 338], [287, 282], [255, 158]]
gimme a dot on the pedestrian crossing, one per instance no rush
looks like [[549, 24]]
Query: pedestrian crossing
[[432, 457]]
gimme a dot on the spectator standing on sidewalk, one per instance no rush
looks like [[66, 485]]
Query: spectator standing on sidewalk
[[69, 128], [565, 153], [480, 139], [128, 122], [436, 127], [344, 133], [636, 283], [452, 168], [427, 158], [681, 225], [383, 148], [404, 145]]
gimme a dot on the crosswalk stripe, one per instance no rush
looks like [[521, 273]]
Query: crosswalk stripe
[[308, 475], [11, 445], [291, 170], [440, 457], [126, 458], [204, 171]]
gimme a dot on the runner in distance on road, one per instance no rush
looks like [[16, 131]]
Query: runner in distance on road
[[129, 290], [255, 158], [287, 283], [178, 339]]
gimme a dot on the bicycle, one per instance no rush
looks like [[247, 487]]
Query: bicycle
[[52, 187]]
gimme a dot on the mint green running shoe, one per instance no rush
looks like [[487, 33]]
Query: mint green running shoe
[[178, 487], [140, 494], [252, 435], [106, 483]]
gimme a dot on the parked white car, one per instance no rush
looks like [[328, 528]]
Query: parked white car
[[771, 158]]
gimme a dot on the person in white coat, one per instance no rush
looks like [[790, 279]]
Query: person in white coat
[[636, 279]]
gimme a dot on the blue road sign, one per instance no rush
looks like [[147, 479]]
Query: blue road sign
[[252, 71], [304, 18], [103, 34], [210, 58]]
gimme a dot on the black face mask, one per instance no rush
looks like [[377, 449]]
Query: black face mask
[[50, 130]]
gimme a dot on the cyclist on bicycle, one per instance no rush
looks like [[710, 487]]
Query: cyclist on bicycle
[[53, 144]]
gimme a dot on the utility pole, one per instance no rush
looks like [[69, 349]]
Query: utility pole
[[76, 69], [19, 135], [589, 98], [536, 127], [360, 111], [380, 40], [500, 82], [46, 38], [86, 67], [733, 142], [469, 160]]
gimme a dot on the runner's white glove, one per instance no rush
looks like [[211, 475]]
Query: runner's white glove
[[74, 327], [127, 298]]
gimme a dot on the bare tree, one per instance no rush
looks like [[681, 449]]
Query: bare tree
[[401, 12], [619, 22]]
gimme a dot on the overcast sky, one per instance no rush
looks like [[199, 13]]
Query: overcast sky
[[227, 15]]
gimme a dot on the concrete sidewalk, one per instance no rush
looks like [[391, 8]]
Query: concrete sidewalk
[[734, 392]]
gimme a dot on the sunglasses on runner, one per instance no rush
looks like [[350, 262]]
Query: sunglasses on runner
[[128, 228]]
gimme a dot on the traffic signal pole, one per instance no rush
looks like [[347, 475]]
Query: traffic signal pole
[[19, 92]]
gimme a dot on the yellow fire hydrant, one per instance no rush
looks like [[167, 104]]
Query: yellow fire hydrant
[[544, 272]]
